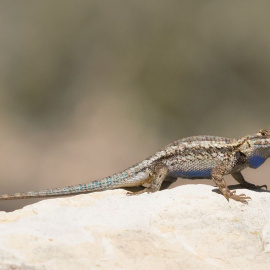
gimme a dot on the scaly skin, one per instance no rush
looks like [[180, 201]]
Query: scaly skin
[[207, 157]]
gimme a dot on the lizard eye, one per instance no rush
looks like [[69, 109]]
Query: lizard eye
[[263, 132]]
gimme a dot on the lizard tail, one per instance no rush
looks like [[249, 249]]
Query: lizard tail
[[69, 190], [112, 182], [98, 185]]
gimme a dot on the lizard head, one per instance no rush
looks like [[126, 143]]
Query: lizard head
[[256, 147], [261, 139]]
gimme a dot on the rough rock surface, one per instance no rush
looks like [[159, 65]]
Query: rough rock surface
[[189, 227]]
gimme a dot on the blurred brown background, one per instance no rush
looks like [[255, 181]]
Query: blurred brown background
[[90, 87]]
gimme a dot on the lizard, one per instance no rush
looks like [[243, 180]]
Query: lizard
[[197, 157]]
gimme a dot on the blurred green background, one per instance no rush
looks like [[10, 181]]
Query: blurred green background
[[90, 87]]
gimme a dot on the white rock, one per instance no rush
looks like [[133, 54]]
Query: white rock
[[189, 227]]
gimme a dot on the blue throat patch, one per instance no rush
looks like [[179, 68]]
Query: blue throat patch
[[256, 161]]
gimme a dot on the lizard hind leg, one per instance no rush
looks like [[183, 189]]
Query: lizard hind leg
[[156, 178]]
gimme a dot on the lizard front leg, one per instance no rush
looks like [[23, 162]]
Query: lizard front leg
[[241, 180], [218, 177], [157, 176]]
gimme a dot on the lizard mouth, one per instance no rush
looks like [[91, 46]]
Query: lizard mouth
[[264, 142]]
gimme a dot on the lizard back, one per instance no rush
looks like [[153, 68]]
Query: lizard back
[[195, 157]]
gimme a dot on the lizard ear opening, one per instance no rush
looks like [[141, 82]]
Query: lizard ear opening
[[241, 154]]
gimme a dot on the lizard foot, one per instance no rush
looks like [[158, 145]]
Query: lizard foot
[[240, 198], [148, 190], [255, 187], [136, 192], [260, 187]]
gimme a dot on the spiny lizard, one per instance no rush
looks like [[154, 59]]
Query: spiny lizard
[[207, 157]]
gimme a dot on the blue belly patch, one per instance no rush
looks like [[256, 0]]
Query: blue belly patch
[[256, 161], [205, 174]]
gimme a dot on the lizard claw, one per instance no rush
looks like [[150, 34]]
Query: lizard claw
[[262, 186], [241, 198]]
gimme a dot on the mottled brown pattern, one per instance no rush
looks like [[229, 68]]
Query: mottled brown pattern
[[193, 157]]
